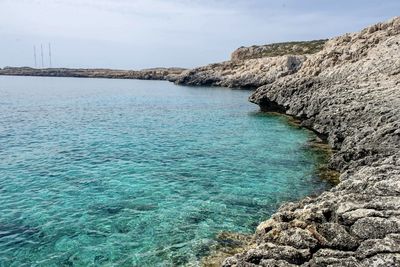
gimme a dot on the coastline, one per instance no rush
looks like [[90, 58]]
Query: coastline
[[146, 74], [348, 93], [319, 144], [355, 104], [231, 243]]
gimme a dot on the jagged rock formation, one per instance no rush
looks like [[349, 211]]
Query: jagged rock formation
[[350, 94], [252, 67], [146, 74], [278, 49], [248, 74]]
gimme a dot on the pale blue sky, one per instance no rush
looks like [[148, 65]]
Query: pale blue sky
[[133, 34]]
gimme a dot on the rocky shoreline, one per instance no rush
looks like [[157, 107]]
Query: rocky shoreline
[[349, 93], [146, 74]]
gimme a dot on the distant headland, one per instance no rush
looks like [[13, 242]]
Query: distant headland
[[146, 74]]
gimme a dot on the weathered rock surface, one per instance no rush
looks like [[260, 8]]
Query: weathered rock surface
[[146, 74], [249, 74], [350, 93], [252, 67]]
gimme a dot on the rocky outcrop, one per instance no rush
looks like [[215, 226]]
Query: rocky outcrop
[[252, 67], [248, 74], [278, 49], [349, 93], [146, 74]]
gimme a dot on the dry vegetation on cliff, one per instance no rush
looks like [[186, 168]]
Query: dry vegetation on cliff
[[278, 49]]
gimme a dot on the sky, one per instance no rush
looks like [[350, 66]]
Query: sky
[[136, 34]]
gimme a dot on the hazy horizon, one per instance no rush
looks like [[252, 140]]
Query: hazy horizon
[[173, 33]]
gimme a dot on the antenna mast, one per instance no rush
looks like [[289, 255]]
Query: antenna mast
[[41, 53], [34, 55], [50, 55]]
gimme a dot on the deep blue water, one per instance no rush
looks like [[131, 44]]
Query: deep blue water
[[97, 172]]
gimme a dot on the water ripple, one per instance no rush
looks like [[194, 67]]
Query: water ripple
[[137, 173]]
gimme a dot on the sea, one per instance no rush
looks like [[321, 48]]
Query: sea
[[99, 172]]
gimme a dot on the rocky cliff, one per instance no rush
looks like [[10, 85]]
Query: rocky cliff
[[349, 93], [248, 74], [251, 67]]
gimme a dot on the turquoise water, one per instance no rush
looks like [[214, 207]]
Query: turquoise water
[[97, 172]]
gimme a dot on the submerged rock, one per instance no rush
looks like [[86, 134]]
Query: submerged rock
[[228, 244]]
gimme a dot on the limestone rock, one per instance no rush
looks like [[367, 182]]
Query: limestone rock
[[249, 74], [349, 93]]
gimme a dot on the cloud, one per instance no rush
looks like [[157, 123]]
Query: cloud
[[145, 33]]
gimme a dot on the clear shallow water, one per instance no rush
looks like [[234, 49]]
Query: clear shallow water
[[98, 172]]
